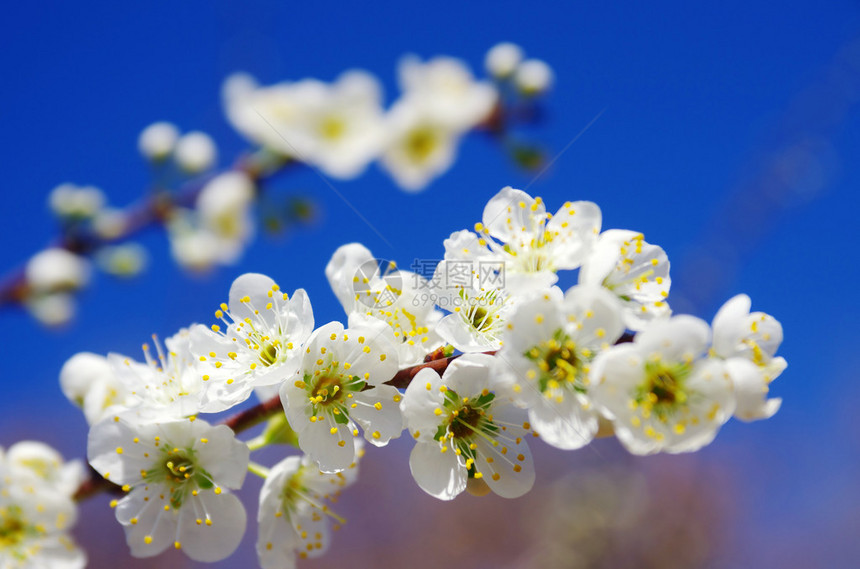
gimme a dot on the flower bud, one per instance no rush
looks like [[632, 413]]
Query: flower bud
[[195, 152], [57, 269], [533, 77], [502, 59], [70, 201], [80, 373], [125, 260], [55, 309], [157, 141]]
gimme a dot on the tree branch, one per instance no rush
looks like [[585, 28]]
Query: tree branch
[[149, 212]]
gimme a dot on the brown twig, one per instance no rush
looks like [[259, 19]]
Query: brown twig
[[151, 211]]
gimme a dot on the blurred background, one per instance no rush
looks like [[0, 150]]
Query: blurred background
[[728, 135]]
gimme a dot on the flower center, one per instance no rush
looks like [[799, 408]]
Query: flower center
[[559, 363], [479, 318], [328, 390], [12, 529], [296, 491], [420, 143], [179, 470], [269, 352], [332, 128], [466, 422], [663, 390], [466, 418]]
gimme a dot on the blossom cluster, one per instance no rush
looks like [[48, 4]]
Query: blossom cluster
[[499, 358], [342, 126], [37, 508], [337, 127]]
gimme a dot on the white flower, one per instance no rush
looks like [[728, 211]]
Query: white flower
[[262, 114], [219, 228], [52, 309], [195, 152], [169, 383], [336, 127], [370, 292], [660, 392], [440, 101], [502, 59], [294, 510], [262, 342], [533, 77], [36, 509], [156, 141], [80, 372], [519, 235], [69, 200], [338, 385], [339, 128], [418, 147], [465, 427], [548, 348], [224, 207], [125, 260], [198, 249], [633, 270], [175, 473], [57, 269], [748, 342], [479, 310], [44, 467], [447, 90], [109, 223], [88, 381]]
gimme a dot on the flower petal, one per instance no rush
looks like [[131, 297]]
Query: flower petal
[[440, 474]]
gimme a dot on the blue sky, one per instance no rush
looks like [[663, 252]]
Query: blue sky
[[728, 135]]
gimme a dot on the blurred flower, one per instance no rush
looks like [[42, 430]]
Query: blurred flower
[[57, 269], [109, 223], [36, 508], [749, 342], [195, 152], [224, 206], [533, 77], [440, 102], [126, 260], [196, 249], [502, 59], [217, 231], [418, 147], [336, 127], [88, 381], [293, 514], [447, 92], [52, 309], [156, 142], [661, 391], [41, 464], [77, 202]]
